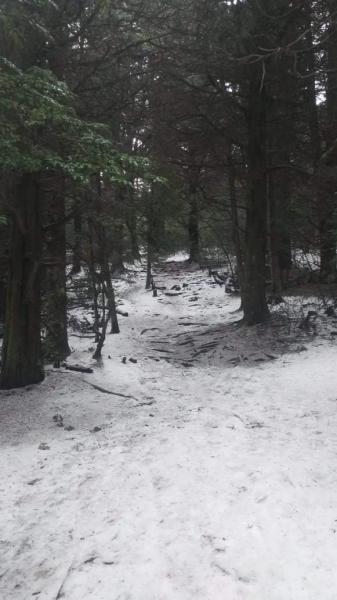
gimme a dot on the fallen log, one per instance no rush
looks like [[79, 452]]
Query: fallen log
[[78, 368], [87, 336]]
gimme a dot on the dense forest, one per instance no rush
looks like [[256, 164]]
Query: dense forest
[[132, 129]]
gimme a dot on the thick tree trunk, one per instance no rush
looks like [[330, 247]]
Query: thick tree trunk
[[254, 303], [283, 97], [328, 202], [332, 83], [4, 255], [325, 202], [21, 352], [57, 347]]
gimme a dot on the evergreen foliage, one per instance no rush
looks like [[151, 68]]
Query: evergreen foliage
[[207, 126]]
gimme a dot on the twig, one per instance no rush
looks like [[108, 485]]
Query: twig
[[105, 391], [101, 389], [60, 593]]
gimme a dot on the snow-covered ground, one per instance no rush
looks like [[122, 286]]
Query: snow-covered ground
[[212, 477]]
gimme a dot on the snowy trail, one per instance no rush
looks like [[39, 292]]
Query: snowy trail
[[215, 482]]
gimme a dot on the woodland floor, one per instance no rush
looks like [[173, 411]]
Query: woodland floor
[[214, 478]]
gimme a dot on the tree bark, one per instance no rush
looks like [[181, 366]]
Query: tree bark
[[77, 246], [149, 279], [131, 223], [327, 205], [104, 261], [234, 214], [254, 303], [56, 343], [21, 352]]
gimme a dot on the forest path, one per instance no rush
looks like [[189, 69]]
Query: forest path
[[215, 479]]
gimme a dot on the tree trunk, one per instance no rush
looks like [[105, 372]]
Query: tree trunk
[[273, 237], [278, 231], [131, 223], [234, 215], [193, 226], [283, 97], [325, 203], [21, 352], [279, 194], [110, 295], [56, 343], [327, 235], [104, 261], [93, 275], [149, 278], [77, 247], [254, 303], [328, 203]]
